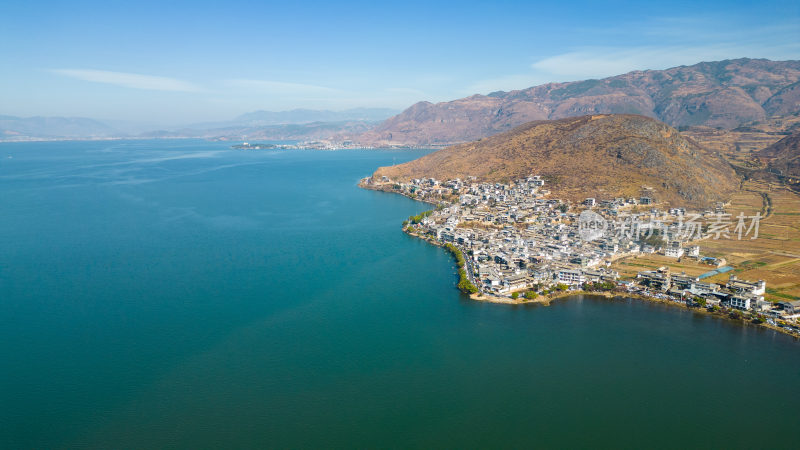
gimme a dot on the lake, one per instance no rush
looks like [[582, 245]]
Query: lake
[[185, 294]]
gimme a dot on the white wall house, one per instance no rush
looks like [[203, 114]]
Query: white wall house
[[571, 277], [740, 302], [746, 287], [674, 250]]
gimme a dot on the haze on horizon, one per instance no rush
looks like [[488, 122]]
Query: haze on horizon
[[171, 64]]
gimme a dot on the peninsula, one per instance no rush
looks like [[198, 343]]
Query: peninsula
[[554, 208]]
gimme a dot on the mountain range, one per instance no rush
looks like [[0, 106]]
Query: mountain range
[[296, 124], [724, 94], [300, 116], [20, 128], [283, 132]]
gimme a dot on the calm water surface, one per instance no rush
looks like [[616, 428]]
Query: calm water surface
[[183, 294]]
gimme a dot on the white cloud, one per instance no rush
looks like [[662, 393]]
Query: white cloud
[[280, 87], [285, 95], [404, 91], [601, 62], [130, 80], [660, 44], [605, 62]]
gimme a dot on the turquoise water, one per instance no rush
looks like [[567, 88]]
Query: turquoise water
[[711, 273], [182, 294]]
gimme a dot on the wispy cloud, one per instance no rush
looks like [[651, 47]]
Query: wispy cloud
[[405, 91], [601, 62], [604, 62], [130, 80], [662, 43], [280, 87]]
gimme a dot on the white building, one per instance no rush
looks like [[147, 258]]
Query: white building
[[674, 250], [571, 277], [746, 287], [740, 302]]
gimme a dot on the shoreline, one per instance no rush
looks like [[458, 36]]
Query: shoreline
[[207, 139], [381, 188], [546, 300]]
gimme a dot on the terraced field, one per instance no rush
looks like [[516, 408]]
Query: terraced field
[[773, 257]]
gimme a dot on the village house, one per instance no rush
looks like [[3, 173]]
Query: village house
[[673, 250], [571, 277], [656, 279], [515, 238], [746, 287]]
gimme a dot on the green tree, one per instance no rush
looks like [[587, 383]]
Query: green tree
[[530, 295], [655, 239], [464, 283], [515, 295], [466, 286]]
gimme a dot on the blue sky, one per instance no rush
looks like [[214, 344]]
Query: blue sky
[[180, 62]]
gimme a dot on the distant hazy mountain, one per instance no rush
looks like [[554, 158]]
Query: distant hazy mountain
[[298, 124], [19, 128], [300, 131], [296, 116], [723, 94]]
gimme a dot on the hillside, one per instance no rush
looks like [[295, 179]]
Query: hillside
[[783, 157], [602, 156], [722, 94]]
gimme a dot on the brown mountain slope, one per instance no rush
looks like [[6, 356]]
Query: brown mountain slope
[[718, 94], [783, 157], [602, 156]]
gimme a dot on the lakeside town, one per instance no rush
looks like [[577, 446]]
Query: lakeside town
[[322, 144], [303, 145], [516, 244]]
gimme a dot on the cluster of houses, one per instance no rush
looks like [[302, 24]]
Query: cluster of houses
[[514, 237], [738, 294]]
